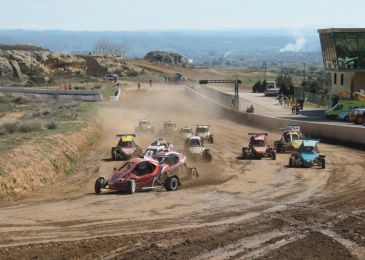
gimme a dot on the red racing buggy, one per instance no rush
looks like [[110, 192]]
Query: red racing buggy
[[258, 147], [165, 171]]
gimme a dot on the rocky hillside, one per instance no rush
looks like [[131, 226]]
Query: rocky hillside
[[167, 58], [22, 63]]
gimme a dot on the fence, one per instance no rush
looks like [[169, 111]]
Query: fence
[[317, 99]]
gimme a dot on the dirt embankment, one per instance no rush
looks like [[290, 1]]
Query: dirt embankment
[[39, 161]]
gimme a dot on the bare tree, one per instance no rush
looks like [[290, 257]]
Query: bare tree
[[104, 47]]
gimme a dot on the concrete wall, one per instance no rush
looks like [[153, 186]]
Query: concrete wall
[[333, 133], [84, 95]]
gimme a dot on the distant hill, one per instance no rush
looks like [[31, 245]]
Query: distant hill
[[21, 47], [199, 46]]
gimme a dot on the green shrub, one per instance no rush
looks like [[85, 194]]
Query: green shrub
[[29, 126], [10, 128], [51, 125]]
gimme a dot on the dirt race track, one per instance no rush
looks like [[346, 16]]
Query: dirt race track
[[237, 209]]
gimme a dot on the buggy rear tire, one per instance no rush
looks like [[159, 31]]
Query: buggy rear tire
[[323, 163], [99, 184], [131, 186], [244, 153], [171, 183], [114, 154], [291, 162], [273, 155]]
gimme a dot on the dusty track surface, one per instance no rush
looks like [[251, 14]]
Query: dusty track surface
[[237, 209]]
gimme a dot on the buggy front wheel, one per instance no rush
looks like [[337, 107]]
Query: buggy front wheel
[[171, 183], [131, 186]]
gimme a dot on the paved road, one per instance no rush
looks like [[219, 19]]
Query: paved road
[[270, 106]]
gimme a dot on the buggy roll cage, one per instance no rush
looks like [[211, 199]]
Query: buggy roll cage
[[121, 135], [258, 134], [291, 128]]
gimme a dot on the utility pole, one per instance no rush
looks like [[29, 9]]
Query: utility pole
[[265, 71], [304, 82], [31, 63]]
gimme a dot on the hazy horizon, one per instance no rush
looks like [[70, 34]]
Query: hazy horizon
[[170, 15]]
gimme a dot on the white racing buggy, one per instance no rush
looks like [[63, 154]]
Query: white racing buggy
[[186, 132], [144, 125], [195, 150], [158, 147], [168, 128], [203, 131]]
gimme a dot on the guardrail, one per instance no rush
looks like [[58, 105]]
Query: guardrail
[[223, 99], [83, 95], [339, 133]]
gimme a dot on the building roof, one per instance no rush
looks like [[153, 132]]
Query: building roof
[[342, 30]]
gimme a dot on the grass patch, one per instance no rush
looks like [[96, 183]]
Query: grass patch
[[108, 90], [2, 171], [70, 170]]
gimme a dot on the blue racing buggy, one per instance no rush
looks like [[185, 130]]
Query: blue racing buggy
[[307, 155]]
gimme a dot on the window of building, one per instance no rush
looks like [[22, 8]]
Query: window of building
[[335, 78], [342, 79]]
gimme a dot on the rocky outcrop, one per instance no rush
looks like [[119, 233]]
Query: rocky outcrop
[[18, 63], [6, 70], [100, 65], [167, 58]]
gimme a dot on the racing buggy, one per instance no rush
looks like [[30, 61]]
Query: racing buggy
[[258, 147], [169, 127], [203, 132], [144, 125], [307, 155], [186, 132], [195, 150], [146, 174], [126, 148], [290, 140], [158, 147]]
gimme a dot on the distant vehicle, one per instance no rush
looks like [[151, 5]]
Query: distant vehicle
[[144, 125], [271, 89], [258, 147], [203, 131], [126, 148], [169, 127], [186, 132], [357, 116], [344, 116], [343, 106], [195, 149], [290, 139], [179, 78], [111, 77], [307, 155], [157, 148], [146, 174]]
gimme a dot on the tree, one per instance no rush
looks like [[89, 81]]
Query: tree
[[285, 83], [259, 87], [104, 47]]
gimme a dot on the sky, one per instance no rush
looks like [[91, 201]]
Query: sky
[[121, 15]]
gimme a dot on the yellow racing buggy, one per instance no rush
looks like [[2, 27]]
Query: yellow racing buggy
[[290, 140]]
